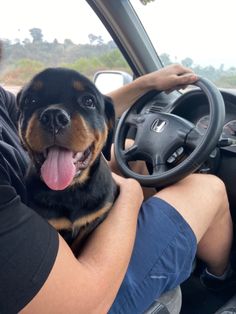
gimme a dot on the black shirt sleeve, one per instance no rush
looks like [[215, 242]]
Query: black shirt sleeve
[[28, 244], [8, 100], [28, 251], [29, 247]]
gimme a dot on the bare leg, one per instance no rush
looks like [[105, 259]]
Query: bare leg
[[202, 201]]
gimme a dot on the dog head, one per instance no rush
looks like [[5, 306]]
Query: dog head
[[64, 123]]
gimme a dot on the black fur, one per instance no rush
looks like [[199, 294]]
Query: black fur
[[89, 113]]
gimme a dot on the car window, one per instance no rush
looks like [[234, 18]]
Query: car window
[[199, 34], [49, 33]]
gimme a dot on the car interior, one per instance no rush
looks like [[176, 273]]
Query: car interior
[[200, 136], [209, 149]]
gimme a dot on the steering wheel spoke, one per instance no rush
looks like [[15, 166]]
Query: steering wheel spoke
[[158, 161], [134, 119], [159, 169], [194, 138], [129, 153]]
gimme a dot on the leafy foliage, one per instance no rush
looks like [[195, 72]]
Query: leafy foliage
[[24, 59]]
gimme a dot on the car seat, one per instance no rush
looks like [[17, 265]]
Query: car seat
[[169, 303], [228, 308]]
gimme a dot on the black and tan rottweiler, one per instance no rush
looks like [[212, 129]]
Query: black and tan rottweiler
[[67, 125]]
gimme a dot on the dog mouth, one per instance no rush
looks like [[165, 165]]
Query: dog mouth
[[62, 165]]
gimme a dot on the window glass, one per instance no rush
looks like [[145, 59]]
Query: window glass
[[199, 34], [42, 34]]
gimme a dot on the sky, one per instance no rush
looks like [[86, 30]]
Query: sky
[[203, 30], [61, 19]]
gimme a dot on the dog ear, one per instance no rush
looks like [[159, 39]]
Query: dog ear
[[18, 95], [111, 120]]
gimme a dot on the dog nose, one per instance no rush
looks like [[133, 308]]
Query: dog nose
[[54, 119]]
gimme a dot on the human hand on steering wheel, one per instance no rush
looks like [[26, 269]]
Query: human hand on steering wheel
[[160, 134]]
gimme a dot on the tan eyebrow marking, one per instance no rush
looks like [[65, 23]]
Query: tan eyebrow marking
[[78, 85]]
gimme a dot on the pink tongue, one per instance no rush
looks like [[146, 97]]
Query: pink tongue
[[58, 170]]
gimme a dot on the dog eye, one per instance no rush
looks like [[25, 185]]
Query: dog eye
[[28, 101], [88, 101]]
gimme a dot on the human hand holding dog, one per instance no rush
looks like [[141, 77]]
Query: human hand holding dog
[[130, 189], [105, 255], [107, 252]]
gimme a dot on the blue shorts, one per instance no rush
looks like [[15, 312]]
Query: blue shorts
[[162, 258]]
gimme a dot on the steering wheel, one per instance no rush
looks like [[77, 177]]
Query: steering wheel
[[160, 135]]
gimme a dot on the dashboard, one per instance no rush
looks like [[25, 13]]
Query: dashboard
[[229, 129], [195, 108]]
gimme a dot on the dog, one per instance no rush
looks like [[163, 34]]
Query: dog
[[67, 126]]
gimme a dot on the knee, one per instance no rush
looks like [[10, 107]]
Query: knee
[[213, 183], [213, 186]]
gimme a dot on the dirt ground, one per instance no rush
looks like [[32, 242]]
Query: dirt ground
[[11, 88]]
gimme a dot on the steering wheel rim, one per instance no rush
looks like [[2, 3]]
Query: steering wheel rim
[[204, 144]]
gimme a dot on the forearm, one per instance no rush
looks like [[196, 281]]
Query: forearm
[[108, 251], [125, 96], [166, 79], [90, 283]]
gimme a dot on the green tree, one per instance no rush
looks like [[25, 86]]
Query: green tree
[[188, 62], [165, 58], [92, 38], [22, 71], [227, 81], [95, 40], [36, 34], [113, 59], [68, 42]]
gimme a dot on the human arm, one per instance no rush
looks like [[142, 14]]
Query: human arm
[[165, 79], [8, 104], [90, 284]]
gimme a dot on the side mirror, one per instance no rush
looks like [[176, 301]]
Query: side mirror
[[107, 81]]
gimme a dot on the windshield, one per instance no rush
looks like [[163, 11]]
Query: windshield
[[199, 34]]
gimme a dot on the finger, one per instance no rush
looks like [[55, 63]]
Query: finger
[[177, 88], [180, 69], [186, 79], [118, 178]]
